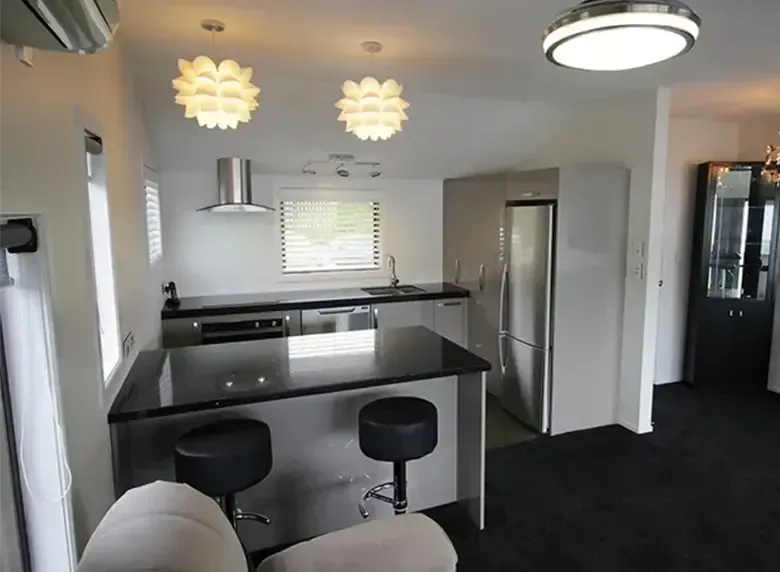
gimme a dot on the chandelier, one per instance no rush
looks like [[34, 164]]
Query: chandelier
[[216, 95], [372, 110], [611, 35], [771, 172]]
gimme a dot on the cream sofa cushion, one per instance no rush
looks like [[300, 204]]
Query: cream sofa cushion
[[163, 527]]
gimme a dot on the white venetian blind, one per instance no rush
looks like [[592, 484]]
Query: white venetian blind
[[328, 236], [153, 225]]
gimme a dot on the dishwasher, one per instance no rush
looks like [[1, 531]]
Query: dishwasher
[[342, 319]]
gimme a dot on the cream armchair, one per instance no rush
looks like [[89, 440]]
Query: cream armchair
[[169, 527]]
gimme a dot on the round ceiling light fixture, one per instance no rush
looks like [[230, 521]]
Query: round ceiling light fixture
[[613, 35], [372, 110], [216, 95]]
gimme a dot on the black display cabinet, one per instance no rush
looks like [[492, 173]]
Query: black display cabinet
[[733, 274]]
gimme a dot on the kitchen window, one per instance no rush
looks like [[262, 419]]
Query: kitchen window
[[329, 235], [153, 223], [102, 257]]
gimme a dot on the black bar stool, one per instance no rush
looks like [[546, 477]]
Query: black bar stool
[[397, 430], [224, 458]]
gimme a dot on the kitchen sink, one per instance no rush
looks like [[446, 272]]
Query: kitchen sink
[[392, 290]]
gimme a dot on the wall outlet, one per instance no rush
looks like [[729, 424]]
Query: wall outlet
[[128, 344]]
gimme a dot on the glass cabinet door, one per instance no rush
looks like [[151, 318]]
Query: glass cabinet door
[[741, 236]]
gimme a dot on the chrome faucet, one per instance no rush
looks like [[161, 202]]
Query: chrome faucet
[[394, 281]]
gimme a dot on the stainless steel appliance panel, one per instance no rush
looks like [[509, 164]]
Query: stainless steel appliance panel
[[242, 327], [526, 387], [529, 274], [336, 320]]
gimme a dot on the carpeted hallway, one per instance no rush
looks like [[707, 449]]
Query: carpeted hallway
[[700, 493]]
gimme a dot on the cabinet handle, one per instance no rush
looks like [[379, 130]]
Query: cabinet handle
[[731, 313], [481, 277], [740, 313], [457, 271], [450, 304]]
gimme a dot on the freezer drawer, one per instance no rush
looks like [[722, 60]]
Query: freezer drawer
[[525, 383]]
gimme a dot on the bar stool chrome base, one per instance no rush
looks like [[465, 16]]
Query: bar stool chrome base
[[398, 500]]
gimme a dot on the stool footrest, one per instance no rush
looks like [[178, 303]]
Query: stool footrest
[[261, 518], [399, 505]]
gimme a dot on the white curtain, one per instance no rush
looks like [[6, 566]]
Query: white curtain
[[30, 356]]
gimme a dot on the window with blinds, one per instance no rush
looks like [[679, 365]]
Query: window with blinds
[[153, 224], [329, 236]]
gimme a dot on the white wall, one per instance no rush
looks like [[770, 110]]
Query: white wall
[[212, 253], [755, 135], [589, 296], [691, 142], [44, 112], [630, 131]]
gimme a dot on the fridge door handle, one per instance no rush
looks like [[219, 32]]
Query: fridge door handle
[[501, 329], [501, 353], [481, 277], [501, 298]]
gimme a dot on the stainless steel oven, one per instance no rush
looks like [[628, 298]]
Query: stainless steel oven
[[229, 328], [324, 321]]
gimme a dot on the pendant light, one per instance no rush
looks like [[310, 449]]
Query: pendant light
[[611, 35], [372, 110], [216, 95], [771, 172]]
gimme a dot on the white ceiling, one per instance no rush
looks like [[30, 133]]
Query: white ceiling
[[481, 91]]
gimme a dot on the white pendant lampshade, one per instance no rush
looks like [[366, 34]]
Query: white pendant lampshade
[[372, 110], [611, 35], [216, 95]]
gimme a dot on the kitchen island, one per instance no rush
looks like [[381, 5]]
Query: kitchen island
[[309, 390]]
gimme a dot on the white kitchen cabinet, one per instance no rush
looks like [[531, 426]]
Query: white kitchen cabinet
[[533, 185], [399, 314], [449, 319], [474, 237]]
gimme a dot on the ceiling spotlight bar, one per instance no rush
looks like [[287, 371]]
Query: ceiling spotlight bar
[[341, 167], [611, 35]]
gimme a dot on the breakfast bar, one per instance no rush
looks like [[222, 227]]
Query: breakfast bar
[[309, 390]]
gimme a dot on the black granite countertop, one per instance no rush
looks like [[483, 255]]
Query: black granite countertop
[[198, 378], [192, 307]]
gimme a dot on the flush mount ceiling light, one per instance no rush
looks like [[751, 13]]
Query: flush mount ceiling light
[[372, 110], [611, 35], [216, 95]]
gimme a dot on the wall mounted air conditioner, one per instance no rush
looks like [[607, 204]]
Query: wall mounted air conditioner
[[83, 26]]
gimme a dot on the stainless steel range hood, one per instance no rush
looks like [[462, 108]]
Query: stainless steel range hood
[[234, 177]]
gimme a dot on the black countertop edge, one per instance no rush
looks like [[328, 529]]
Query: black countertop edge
[[287, 394], [200, 378], [303, 301]]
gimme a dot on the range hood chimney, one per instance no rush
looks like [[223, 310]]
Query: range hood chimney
[[234, 177]]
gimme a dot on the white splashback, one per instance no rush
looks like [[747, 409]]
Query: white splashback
[[212, 253]]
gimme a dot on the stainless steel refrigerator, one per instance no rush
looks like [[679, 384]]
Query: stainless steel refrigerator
[[525, 312]]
